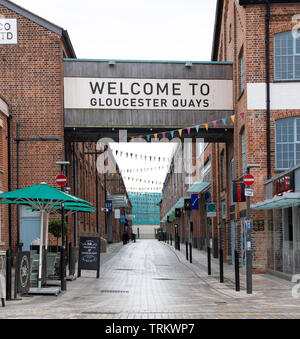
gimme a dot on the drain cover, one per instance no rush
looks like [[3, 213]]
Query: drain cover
[[124, 269], [162, 279], [113, 291]]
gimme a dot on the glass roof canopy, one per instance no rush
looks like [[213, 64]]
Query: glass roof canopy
[[284, 201]]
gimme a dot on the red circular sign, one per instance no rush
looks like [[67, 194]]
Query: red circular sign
[[248, 179], [61, 180]]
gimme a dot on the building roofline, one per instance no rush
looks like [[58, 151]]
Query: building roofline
[[217, 29], [40, 21], [219, 13], [152, 61]]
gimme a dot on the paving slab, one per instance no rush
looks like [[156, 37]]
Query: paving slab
[[151, 280]]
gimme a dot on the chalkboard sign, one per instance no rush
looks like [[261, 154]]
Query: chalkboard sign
[[23, 272], [89, 255]]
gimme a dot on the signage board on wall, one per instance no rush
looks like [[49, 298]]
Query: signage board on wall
[[153, 94], [211, 210], [8, 31], [239, 192], [194, 201]]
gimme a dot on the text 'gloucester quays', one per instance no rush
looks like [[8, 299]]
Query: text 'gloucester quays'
[[148, 89]]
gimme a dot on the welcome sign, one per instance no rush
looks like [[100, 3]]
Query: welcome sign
[[8, 31], [154, 94]]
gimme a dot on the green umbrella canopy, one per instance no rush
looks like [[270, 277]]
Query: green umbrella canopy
[[40, 196], [76, 207]]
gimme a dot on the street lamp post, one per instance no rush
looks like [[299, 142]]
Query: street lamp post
[[63, 280], [248, 240]]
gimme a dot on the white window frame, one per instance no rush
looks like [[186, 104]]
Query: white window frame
[[295, 142]]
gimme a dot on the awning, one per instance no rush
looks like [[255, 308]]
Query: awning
[[198, 187], [179, 204], [284, 201]]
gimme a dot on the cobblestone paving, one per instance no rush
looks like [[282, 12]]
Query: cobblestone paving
[[151, 280]]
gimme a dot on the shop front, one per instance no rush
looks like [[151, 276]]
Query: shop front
[[282, 214]]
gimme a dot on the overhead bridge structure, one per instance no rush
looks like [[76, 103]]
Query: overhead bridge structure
[[138, 98]]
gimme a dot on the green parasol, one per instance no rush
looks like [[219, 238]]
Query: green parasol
[[43, 198]]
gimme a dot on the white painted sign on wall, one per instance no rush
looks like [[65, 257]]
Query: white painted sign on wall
[[284, 96], [8, 31], [154, 94]]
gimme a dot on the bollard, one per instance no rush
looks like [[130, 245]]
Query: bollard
[[8, 274], [221, 267], [237, 271], [171, 239], [191, 253], [178, 245], [187, 250], [208, 261]]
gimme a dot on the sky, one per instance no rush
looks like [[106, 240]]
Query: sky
[[180, 30], [133, 29]]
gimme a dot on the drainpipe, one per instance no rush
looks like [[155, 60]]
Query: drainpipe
[[9, 251], [268, 125], [9, 179]]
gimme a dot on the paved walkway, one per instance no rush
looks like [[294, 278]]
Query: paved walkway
[[151, 280]]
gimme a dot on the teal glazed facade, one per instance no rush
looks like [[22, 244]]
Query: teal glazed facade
[[145, 208]]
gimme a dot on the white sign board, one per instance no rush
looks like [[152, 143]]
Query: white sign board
[[153, 94], [117, 214], [8, 31], [249, 192]]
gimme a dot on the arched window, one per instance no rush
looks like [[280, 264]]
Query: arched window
[[287, 142], [243, 151], [286, 56]]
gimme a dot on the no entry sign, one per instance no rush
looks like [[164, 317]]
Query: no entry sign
[[248, 179], [61, 180]]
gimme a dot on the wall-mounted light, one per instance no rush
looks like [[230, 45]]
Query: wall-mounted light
[[111, 63], [188, 64]]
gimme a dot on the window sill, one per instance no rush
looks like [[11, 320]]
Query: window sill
[[282, 81]]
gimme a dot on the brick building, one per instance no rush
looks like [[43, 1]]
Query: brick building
[[32, 136], [259, 37]]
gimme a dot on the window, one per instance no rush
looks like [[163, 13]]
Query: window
[[287, 138], [243, 153], [242, 72], [287, 56]]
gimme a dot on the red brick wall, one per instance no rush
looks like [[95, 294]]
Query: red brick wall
[[248, 34]]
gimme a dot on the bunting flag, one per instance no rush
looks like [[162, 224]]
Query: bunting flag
[[188, 129]]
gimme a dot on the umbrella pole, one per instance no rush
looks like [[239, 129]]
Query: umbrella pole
[[46, 235], [41, 250]]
